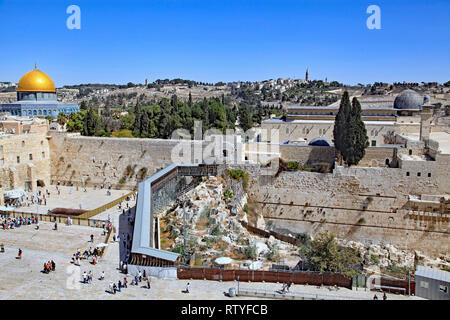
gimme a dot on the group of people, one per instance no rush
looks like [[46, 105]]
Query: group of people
[[113, 287], [139, 277], [8, 222], [286, 287], [49, 266], [88, 253]]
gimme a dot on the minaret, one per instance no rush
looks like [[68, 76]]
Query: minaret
[[307, 75], [426, 116]]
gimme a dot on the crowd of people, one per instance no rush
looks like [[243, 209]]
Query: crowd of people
[[88, 253], [8, 222]]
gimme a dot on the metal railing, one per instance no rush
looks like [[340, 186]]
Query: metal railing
[[294, 295]]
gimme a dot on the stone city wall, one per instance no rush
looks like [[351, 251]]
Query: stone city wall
[[122, 162], [361, 204], [24, 159]]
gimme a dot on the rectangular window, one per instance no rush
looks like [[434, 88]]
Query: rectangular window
[[18, 159], [43, 155], [418, 174], [424, 284], [443, 289], [407, 174], [30, 156], [374, 143], [429, 174]]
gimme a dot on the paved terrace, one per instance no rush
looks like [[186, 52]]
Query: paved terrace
[[72, 199], [22, 279]]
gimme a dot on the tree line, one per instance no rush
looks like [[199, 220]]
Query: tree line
[[161, 119]]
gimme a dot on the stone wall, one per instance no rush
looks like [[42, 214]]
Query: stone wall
[[25, 159], [307, 155], [122, 162], [361, 204]]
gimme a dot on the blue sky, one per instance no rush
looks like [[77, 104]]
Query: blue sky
[[226, 40]]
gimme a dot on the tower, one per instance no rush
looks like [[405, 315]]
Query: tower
[[307, 75], [426, 116]]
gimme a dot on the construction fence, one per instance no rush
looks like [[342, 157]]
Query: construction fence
[[305, 278]]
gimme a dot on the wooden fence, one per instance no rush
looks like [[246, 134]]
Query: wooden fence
[[305, 278], [105, 207]]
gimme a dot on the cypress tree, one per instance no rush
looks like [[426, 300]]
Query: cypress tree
[[190, 100], [91, 123], [358, 140], [341, 125], [138, 121]]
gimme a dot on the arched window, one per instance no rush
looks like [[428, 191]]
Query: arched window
[[34, 112]]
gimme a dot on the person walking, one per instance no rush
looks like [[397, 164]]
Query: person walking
[[149, 282], [102, 276], [92, 238], [119, 285], [188, 286], [125, 282], [20, 254], [384, 296]]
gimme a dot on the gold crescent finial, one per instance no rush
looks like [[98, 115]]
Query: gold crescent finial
[[35, 66]]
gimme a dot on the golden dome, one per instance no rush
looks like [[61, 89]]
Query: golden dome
[[36, 81]]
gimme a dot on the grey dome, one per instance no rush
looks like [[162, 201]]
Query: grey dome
[[320, 142], [408, 99]]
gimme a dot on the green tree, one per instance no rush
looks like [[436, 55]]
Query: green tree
[[83, 105], [358, 140], [61, 119], [325, 255], [91, 123], [341, 125], [245, 117]]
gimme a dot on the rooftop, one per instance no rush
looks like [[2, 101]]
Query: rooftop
[[443, 138]]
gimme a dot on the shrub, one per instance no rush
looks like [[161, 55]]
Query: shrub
[[250, 251], [228, 194], [293, 165], [246, 208], [239, 175], [216, 231]]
